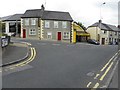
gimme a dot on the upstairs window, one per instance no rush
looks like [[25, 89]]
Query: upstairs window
[[115, 33], [64, 24], [26, 22], [47, 24], [33, 21], [55, 24]]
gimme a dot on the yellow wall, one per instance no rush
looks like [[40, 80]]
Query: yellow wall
[[93, 32], [75, 28]]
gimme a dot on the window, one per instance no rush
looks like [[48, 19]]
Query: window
[[47, 24], [115, 33], [64, 24], [104, 31], [26, 22], [33, 21], [49, 35], [32, 32], [66, 35], [55, 24]]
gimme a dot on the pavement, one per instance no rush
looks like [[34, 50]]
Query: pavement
[[115, 80], [61, 65], [14, 53]]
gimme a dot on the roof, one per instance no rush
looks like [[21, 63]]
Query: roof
[[47, 15], [104, 26], [12, 17], [32, 13], [55, 15], [4, 18]]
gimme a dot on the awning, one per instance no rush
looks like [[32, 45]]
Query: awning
[[83, 34]]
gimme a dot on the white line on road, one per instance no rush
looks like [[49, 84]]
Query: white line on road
[[56, 44], [96, 86], [42, 43], [89, 84], [97, 75]]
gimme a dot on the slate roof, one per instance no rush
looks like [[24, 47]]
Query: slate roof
[[4, 18], [12, 17], [47, 15], [104, 26], [33, 13]]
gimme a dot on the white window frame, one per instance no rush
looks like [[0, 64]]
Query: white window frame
[[64, 24], [32, 31], [49, 35], [47, 24], [27, 22], [56, 24], [65, 35], [33, 21]]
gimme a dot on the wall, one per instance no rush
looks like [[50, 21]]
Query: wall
[[56, 30], [27, 28]]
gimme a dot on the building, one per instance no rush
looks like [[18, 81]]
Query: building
[[46, 25], [103, 33], [79, 34], [12, 24]]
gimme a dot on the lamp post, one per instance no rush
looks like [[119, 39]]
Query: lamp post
[[101, 10], [100, 21]]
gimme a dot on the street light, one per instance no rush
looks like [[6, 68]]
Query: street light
[[101, 10], [100, 21]]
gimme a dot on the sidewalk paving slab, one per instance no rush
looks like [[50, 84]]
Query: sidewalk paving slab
[[14, 52]]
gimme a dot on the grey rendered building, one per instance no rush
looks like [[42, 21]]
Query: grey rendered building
[[46, 25]]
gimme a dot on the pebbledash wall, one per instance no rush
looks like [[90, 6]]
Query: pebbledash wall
[[42, 32]]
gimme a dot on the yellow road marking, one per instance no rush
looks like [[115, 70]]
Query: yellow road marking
[[106, 72], [107, 64], [33, 57], [96, 85], [33, 54], [89, 84], [97, 75], [26, 60]]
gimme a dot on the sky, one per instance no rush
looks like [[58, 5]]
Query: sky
[[84, 11]]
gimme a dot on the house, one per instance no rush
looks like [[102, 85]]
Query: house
[[79, 34], [103, 33], [12, 24], [46, 25]]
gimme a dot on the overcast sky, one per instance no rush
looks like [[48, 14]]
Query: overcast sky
[[85, 11]]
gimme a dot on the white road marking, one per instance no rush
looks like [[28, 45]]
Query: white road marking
[[89, 84], [56, 44]]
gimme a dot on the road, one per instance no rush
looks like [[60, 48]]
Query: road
[[61, 65]]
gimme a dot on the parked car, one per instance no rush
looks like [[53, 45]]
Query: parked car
[[92, 41]]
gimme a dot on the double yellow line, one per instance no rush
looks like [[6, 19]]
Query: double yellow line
[[107, 67], [30, 59]]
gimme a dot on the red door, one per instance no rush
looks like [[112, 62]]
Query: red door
[[24, 33], [59, 36]]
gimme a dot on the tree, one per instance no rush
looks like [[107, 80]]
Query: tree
[[81, 25]]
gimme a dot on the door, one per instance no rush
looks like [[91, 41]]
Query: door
[[59, 36], [103, 41], [24, 33]]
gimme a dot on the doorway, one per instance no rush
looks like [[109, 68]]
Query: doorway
[[24, 33], [59, 36]]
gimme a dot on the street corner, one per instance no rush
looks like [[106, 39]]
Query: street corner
[[21, 54], [16, 53]]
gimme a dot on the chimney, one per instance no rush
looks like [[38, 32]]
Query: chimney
[[42, 7], [100, 21], [119, 26]]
